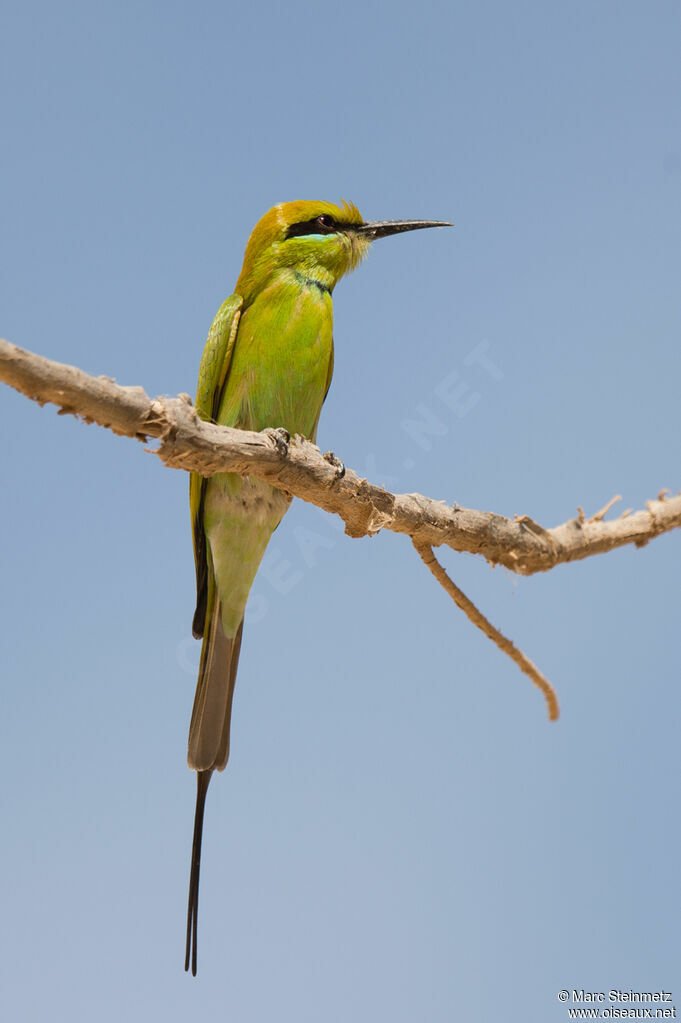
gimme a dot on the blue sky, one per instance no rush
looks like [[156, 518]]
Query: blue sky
[[400, 833]]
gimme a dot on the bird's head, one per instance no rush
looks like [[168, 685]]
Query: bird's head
[[317, 240]]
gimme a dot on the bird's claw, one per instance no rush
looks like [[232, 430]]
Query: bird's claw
[[281, 438], [336, 463]]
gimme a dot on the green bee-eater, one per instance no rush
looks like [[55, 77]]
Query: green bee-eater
[[267, 362]]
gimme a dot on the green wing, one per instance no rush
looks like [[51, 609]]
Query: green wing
[[329, 374], [215, 362]]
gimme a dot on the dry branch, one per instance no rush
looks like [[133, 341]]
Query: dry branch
[[299, 468], [503, 642], [186, 442]]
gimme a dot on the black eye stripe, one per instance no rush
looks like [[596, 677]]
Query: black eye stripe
[[323, 224]]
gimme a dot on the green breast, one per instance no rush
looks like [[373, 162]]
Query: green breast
[[280, 367]]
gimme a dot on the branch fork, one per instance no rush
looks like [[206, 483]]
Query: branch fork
[[187, 442]]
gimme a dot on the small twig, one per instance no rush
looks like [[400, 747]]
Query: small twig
[[504, 644], [604, 511], [299, 468]]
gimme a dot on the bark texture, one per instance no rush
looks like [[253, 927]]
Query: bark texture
[[299, 468]]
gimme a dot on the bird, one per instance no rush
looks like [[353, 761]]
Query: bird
[[267, 364]]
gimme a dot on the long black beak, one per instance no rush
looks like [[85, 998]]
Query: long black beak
[[383, 228]]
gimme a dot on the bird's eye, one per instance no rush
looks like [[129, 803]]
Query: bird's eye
[[323, 224]]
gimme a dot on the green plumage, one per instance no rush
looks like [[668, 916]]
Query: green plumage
[[280, 365], [268, 362]]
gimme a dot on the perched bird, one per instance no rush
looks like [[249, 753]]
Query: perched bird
[[267, 362]]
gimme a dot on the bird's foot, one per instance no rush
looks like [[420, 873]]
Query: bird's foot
[[280, 438], [336, 463]]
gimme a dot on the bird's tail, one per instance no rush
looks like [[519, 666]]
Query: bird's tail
[[209, 728], [209, 740], [203, 780]]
